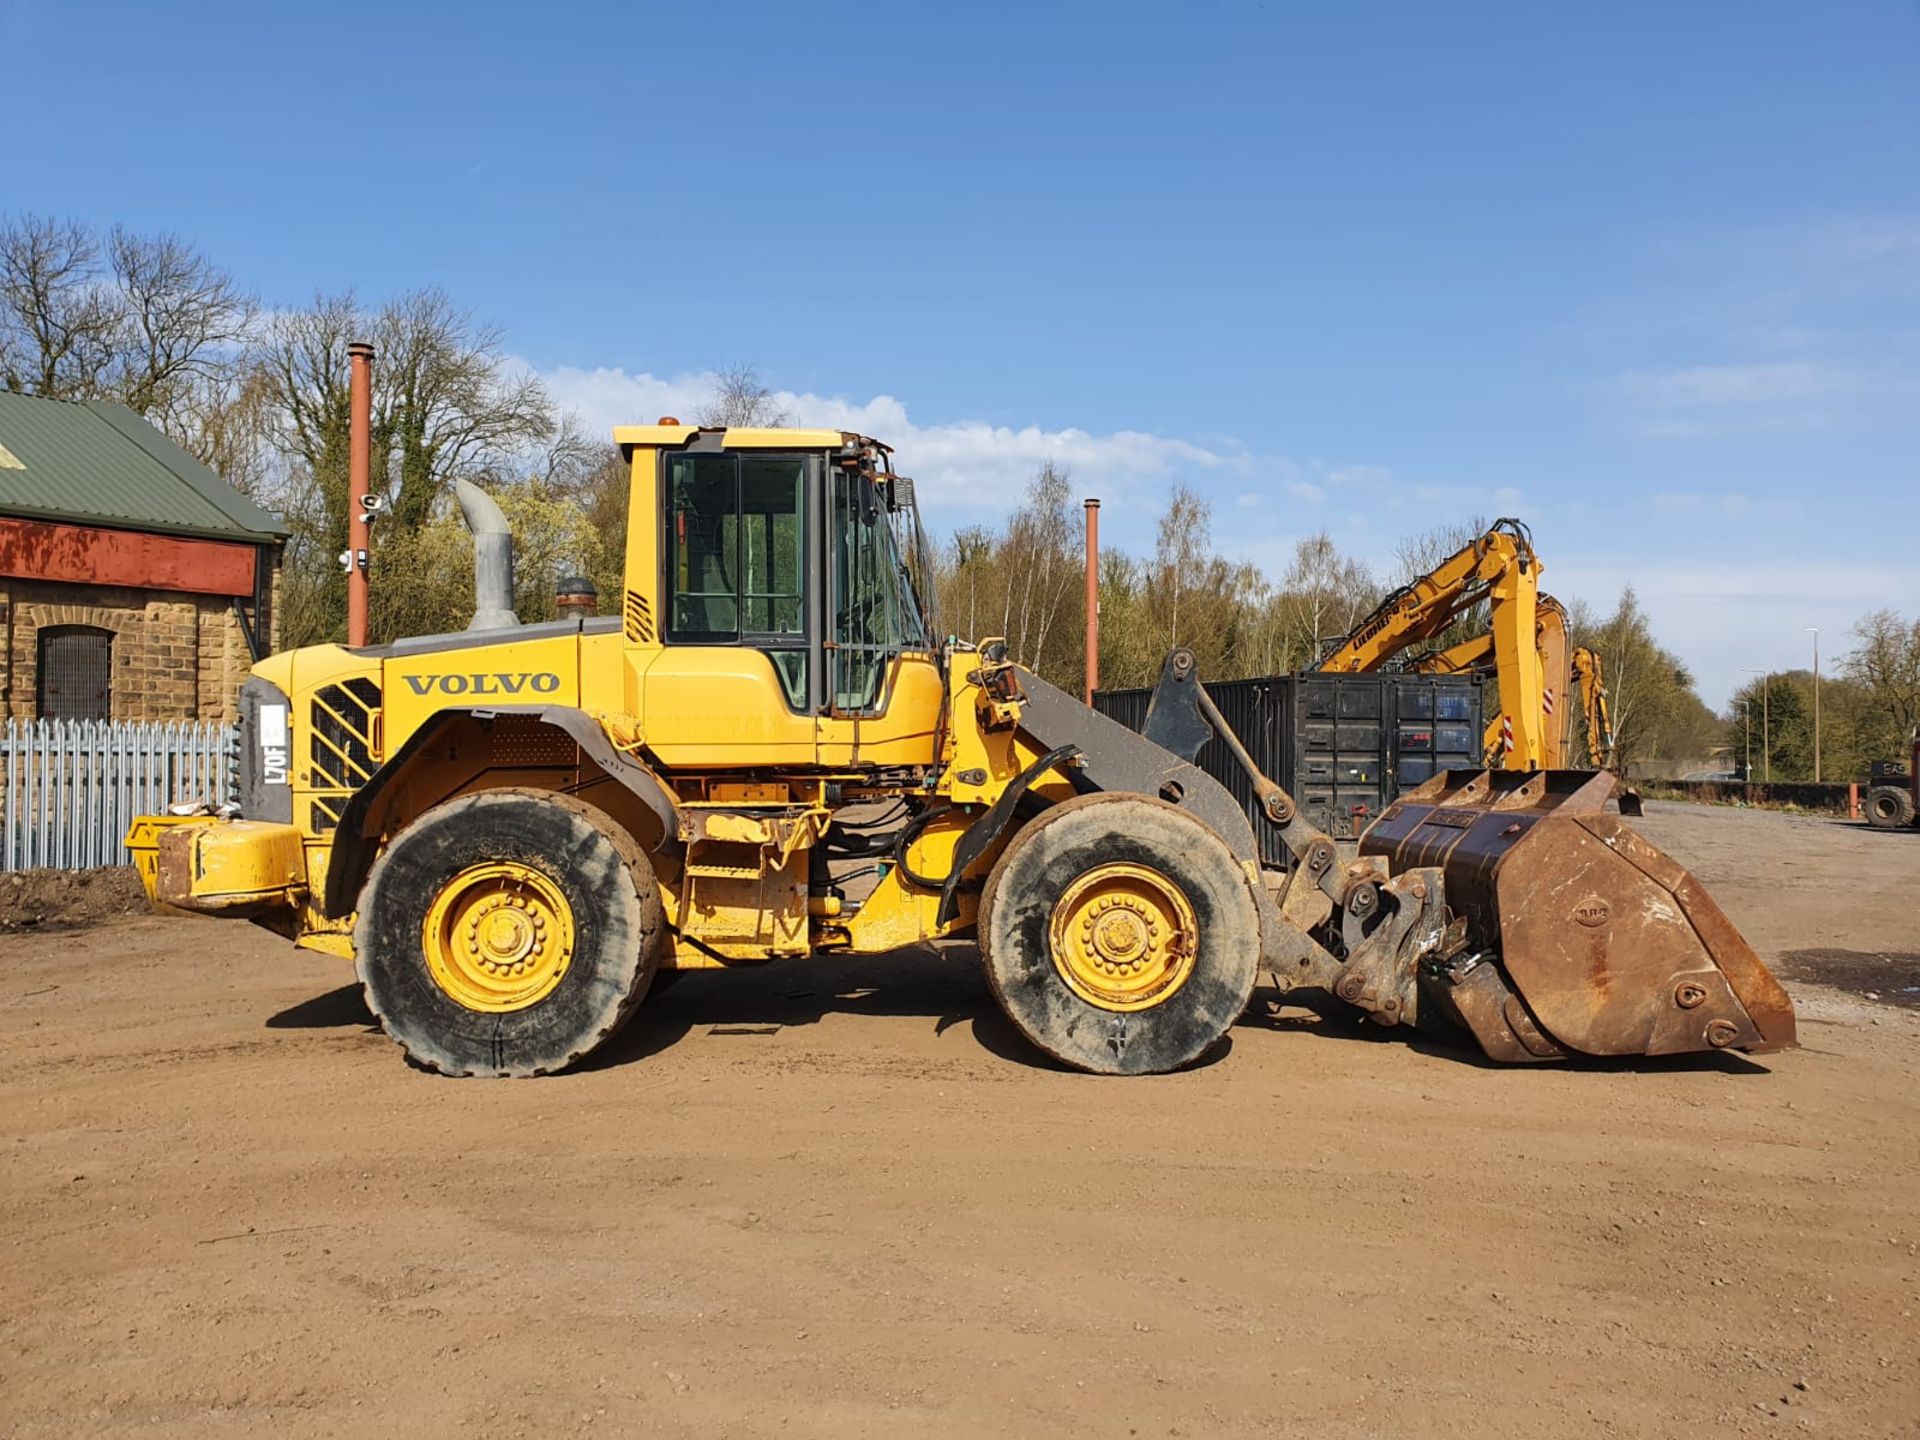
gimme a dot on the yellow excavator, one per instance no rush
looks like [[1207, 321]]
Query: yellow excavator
[[1525, 646], [509, 832]]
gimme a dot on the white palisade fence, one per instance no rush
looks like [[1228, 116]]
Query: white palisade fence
[[73, 786]]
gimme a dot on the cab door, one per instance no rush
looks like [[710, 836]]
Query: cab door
[[883, 691], [735, 681]]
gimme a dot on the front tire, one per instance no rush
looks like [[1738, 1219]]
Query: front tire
[[1889, 807], [508, 933], [1120, 935]]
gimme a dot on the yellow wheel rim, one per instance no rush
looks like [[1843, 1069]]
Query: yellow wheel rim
[[1124, 937], [498, 937]]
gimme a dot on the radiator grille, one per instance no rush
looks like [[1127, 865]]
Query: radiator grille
[[343, 746]]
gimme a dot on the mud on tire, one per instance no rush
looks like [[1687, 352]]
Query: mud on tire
[[619, 931], [1043, 864]]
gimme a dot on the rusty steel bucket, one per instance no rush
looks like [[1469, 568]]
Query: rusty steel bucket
[[1580, 937]]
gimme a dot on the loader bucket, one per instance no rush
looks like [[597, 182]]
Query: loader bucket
[[1580, 936]]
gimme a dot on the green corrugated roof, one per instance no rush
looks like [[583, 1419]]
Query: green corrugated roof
[[98, 463]]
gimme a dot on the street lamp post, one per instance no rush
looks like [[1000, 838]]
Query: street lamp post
[[1766, 724], [1815, 630], [1746, 729]]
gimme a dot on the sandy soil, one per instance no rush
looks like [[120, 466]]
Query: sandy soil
[[841, 1200]]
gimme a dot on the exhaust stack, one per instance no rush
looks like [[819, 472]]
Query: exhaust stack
[[360, 500], [492, 558], [1093, 598]]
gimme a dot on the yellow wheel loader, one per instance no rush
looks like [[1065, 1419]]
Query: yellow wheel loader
[[768, 753]]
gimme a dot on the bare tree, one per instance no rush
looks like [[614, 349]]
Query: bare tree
[[1886, 660], [743, 401], [597, 479], [1324, 594], [1418, 553], [1656, 713], [59, 328], [154, 324], [974, 550], [1192, 596], [183, 322], [228, 424], [1181, 546], [444, 403], [450, 402], [1042, 540]]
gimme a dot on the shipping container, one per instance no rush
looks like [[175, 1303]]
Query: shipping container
[[1344, 746]]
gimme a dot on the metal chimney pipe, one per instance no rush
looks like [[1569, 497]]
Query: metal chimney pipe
[[492, 558], [359, 487], [1093, 598]]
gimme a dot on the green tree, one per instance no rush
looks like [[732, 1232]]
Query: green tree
[[445, 405], [1885, 662], [1657, 716]]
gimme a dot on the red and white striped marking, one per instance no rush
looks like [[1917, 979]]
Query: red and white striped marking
[[1549, 702], [1506, 734]]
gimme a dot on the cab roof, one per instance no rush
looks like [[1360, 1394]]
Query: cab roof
[[672, 436]]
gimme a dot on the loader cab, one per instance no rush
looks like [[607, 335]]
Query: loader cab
[[773, 606]]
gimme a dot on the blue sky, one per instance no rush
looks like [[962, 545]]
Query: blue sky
[[1646, 275]]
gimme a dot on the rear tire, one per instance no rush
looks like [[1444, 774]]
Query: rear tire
[[508, 933], [1889, 807], [1120, 935]]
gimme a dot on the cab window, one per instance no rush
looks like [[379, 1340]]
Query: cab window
[[736, 556], [874, 616]]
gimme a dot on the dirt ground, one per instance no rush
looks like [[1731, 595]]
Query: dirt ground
[[62, 899], [842, 1200]]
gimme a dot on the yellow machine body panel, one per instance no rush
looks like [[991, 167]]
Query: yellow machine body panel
[[718, 707], [240, 866], [534, 672]]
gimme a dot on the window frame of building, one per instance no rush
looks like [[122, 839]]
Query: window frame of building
[[61, 705]]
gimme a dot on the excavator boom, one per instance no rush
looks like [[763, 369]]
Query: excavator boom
[[1525, 645], [1590, 676]]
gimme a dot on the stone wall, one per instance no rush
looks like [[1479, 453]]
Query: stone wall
[[175, 656]]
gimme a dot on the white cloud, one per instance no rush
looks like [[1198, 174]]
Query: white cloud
[[967, 465], [1367, 477], [1772, 395], [1723, 618], [1876, 237], [1718, 386], [1694, 505]]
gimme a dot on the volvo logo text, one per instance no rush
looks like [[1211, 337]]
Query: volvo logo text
[[493, 682]]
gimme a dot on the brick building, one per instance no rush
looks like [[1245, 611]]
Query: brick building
[[135, 584]]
